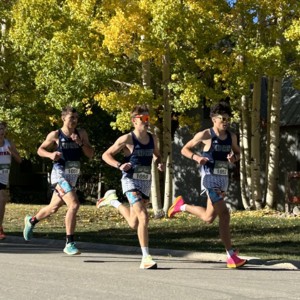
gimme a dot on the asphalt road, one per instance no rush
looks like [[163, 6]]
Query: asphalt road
[[40, 270]]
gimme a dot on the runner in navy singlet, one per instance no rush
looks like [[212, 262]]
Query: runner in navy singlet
[[139, 147], [7, 152], [64, 147], [219, 149]]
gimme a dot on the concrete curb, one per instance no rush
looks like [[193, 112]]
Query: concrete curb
[[169, 253]]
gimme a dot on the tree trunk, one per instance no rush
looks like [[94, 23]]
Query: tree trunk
[[270, 100], [272, 179], [255, 145], [167, 147], [155, 195], [245, 179], [3, 32], [155, 188]]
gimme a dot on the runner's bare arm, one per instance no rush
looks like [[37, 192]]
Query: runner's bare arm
[[234, 156], [187, 149], [85, 145], [14, 152], [120, 144], [157, 156], [50, 141]]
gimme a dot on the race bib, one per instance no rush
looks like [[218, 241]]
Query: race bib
[[142, 173], [4, 168], [220, 168], [72, 168]]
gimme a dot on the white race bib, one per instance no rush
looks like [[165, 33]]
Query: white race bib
[[220, 168], [72, 168], [142, 173], [4, 168]]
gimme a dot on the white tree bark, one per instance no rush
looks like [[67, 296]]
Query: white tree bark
[[270, 100], [245, 178], [255, 146], [167, 148], [155, 188], [3, 32], [155, 195], [272, 180]]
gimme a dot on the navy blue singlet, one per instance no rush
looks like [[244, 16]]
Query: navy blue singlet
[[139, 176]]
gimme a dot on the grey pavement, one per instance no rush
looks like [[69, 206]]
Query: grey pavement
[[40, 270]]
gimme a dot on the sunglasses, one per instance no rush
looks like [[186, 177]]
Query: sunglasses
[[223, 119], [143, 118]]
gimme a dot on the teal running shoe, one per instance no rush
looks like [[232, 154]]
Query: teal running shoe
[[71, 249], [28, 229]]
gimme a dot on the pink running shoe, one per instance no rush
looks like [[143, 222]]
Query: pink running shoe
[[235, 262], [2, 234], [175, 208]]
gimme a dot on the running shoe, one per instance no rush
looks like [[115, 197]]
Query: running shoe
[[2, 234], [175, 208], [28, 228], [71, 249], [108, 197], [148, 263], [235, 262]]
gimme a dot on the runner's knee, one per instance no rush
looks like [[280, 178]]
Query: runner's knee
[[74, 206], [133, 224]]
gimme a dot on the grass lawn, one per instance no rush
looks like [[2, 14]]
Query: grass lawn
[[264, 234]]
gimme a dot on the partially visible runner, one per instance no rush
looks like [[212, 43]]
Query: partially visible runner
[[64, 147], [7, 151], [219, 148], [139, 147]]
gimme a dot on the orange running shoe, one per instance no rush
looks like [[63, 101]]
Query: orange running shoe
[[175, 208]]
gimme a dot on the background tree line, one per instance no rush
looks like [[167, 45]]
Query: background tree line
[[106, 56]]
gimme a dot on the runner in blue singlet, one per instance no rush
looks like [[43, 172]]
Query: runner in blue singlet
[[219, 149], [138, 177], [139, 147], [64, 147]]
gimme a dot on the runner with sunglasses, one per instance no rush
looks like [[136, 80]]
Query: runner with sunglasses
[[139, 147], [219, 149]]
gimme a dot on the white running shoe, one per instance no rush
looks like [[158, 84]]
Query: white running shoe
[[108, 197], [148, 263]]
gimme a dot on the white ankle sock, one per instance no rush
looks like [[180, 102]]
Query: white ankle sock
[[115, 203], [145, 251], [183, 207]]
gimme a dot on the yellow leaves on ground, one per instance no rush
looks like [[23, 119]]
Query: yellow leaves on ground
[[257, 213]]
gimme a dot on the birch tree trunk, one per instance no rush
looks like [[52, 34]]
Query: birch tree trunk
[[155, 187], [255, 146], [155, 195], [272, 180], [270, 100], [167, 147], [245, 180], [3, 32]]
